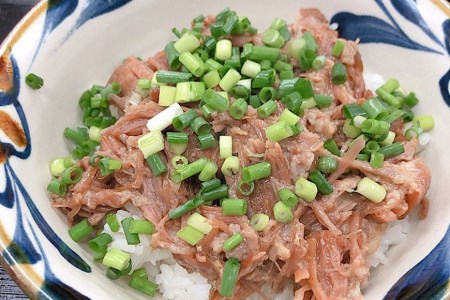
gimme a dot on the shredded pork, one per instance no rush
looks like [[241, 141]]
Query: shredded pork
[[324, 250]]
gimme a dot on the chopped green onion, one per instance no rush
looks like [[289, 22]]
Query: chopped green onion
[[184, 120], [390, 86], [229, 277], [410, 100], [260, 53], [188, 171], [116, 259], [151, 143], [304, 87], [323, 101], [413, 132], [215, 100], [287, 197], [225, 146], [424, 122], [99, 245], [190, 235], [210, 185], [229, 80], [143, 285], [233, 242], [321, 182], [142, 227], [194, 65], [296, 48], [350, 130], [189, 91], [177, 148], [209, 171], [318, 62], [388, 97], [78, 136], [265, 65], [259, 221], [200, 126], [132, 238], [57, 166], [187, 43], [358, 120], [177, 137], [279, 131], [265, 78], [256, 171], [215, 194], [392, 150], [282, 213], [172, 77], [373, 107], [34, 81], [352, 110], [250, 68], [371, 146], [108, 165], [231, 166], [81, 230], [246, 188], [199, 222], [95, 133], [212, 65], [286, 87], [308, 103], [206, 110], [254, 101], [338, 73], [115, 274], [179, 162], [389, 139], [273, 38], [268, 108], [371, 190], [289, 117], [71, 175], [211, 79], [338, 47], [375, 127], [242, 89], [234, 207], [238, 109], [111, 220], [172, 56], [376, 159], [327, 164], [286, 74], [185, 208], [223, 50], [305, 189], [206, 141], [267, 93], [362, 157], [282, 66]]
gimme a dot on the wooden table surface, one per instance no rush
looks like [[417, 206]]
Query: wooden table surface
[[11, 11]]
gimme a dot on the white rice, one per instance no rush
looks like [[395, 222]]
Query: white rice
[[395, 234], [175, 283]]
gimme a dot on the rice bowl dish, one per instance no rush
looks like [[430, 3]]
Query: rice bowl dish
[[243, 162]]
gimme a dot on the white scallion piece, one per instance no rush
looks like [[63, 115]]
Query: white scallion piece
[[164, 119], [225, 146], [371, 190]]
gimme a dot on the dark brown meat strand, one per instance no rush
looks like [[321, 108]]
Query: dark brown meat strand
[[324, 251]]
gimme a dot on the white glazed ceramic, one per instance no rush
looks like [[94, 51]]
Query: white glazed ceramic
[[73, 44]]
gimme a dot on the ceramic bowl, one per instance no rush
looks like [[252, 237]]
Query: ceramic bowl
[[73, 44]]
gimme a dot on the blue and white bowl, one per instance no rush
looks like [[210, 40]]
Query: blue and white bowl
[[73, 44]]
